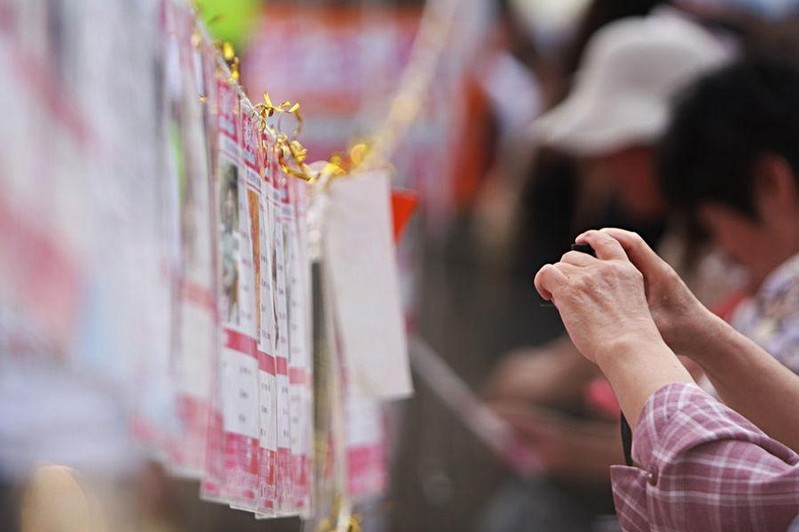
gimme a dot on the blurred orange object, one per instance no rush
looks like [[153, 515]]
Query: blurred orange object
[[403, 205]]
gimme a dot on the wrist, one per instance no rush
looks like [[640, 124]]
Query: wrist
[[718, 345], [636, 367], [704, 338], [634, 344]]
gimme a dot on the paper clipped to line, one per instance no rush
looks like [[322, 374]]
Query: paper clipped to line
[[365, 282]]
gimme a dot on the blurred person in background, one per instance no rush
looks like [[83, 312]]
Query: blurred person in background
[[729, 163], [612, 119], [528, 205]]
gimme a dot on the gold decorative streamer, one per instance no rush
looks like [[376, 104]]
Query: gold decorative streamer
[[289, 149], [267, 110], [228, 53]]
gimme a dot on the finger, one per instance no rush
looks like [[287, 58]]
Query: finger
[[605, 246], [640, 254], [569, 271], [547, 279], [577, 258]]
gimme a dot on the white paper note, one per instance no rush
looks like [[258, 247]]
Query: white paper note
[[366, 290]]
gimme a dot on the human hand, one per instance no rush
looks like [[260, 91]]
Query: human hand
[[601, 299], [683, 322]]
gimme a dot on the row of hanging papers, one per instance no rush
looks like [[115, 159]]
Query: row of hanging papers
[[164, 242]]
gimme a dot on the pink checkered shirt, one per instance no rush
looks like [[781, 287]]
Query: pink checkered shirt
[[703, 467]]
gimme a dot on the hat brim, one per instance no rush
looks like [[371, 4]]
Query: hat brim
[[583, 125]]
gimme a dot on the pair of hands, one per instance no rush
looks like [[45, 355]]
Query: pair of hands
[[624, 294]]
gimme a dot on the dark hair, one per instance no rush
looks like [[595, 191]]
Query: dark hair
[[720, 128], [597, 15]]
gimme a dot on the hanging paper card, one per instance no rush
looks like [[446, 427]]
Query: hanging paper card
[[366, 286], [240, 353], [198, 336], [367, 464], [300, 370], [226, 156], [214, 475], [267, 365], [238, 364], [145, 272], [279, 202], [255, 161]]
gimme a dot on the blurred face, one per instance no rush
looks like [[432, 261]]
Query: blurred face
[[745, 240], [632, 172]]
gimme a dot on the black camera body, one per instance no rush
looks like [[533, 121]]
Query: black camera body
[[584, 248]]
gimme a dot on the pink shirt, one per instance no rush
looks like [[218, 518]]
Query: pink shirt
[[702, 466]]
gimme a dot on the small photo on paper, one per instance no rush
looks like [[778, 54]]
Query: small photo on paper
[[229, 219]]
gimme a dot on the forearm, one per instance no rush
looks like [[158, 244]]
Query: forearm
[[751, 381], [637, 367]]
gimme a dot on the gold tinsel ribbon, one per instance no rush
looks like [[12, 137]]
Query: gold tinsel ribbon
[[291, 153], [228, 53]]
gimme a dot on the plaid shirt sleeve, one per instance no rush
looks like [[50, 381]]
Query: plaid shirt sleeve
[[702, 466]]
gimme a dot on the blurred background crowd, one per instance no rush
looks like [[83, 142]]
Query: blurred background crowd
[[541, 119]]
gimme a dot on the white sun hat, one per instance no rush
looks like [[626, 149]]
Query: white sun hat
[[631, 71]]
